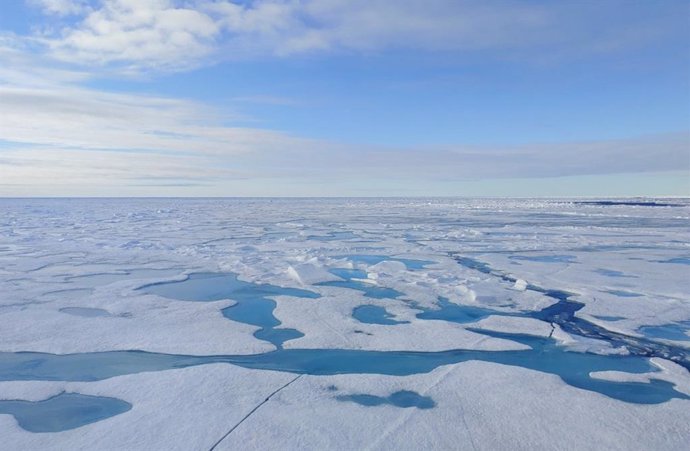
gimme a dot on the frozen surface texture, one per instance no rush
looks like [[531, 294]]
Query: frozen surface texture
[[344, 324]]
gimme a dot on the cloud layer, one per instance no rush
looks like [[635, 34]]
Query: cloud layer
[[55, 131], [140, 35], [74, 134]]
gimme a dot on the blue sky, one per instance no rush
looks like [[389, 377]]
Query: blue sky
[[344, 97]]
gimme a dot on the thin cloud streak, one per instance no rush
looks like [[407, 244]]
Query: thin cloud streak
[[84, 118], [658, 153], [64, 133], [60, 166], [77, 134]]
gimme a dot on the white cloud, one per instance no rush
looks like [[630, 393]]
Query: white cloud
[[71, 135], [61, 7], [82, 118], [55, 132], [433, 24], [165, 34], [20, 67], [36, 166], [658, 153], [52, 131], [136, 34], [141, 35]]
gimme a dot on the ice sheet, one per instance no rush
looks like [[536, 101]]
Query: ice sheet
[[477, 406], [71, 269]]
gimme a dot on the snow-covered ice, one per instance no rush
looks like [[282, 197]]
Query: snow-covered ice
[[522, 324]]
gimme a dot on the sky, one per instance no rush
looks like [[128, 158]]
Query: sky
[[344, 98]]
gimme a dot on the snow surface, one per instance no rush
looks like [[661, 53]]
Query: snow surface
[[626, 264], [478, 406], [185, 409]]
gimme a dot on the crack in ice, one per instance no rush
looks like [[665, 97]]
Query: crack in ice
[[227, 434]]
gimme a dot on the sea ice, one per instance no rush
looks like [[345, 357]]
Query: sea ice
[[485, 323]]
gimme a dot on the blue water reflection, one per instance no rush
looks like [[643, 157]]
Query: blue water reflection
[[253, 304]]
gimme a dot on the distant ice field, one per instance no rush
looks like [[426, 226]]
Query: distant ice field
[[344, 323]]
